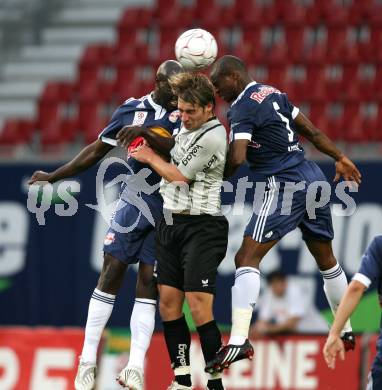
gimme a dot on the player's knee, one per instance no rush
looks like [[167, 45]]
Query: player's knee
[[200, 307], [167, 309], [243, 260], [146, 285], [111, 276], [326, 262], [146, 277]]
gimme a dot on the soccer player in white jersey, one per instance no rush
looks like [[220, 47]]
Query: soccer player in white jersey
[[192, 240]]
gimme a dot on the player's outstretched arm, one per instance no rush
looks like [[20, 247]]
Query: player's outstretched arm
[[88, 156], [344, 166], [349, 302]]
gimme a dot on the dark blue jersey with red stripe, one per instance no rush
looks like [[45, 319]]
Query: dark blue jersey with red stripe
[[264, 116], [140, 112], [370, 272]]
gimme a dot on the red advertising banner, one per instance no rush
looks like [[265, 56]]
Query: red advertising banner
[[290, 362], [39, 359], [46, 359]]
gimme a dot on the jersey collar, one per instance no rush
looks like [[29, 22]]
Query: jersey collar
[[159, 110], [252, 83]]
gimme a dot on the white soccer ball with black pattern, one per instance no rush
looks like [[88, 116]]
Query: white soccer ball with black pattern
[[196, 49]]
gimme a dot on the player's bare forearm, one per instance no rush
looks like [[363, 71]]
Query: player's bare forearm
[[320, 140], [168, 171], [348, 304], [160, 144], [86, 158]]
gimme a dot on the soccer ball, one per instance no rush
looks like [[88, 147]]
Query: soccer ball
[[196, 49]]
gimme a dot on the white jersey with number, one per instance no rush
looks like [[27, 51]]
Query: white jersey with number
[[200, 156]]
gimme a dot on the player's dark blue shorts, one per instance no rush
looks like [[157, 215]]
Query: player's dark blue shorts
[[287, 204], [130, 237]]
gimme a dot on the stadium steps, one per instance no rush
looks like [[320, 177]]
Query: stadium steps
[[78, 35], [20, 108], [39, 71], [88, 17], [75, 26], [51, 53], [20, 89]]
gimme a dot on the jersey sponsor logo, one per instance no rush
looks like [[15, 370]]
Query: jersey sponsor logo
[[174, 116], [192, 153], [109, 239], [205, 282], [139, 118], [208, 165], [263, 92], [294, 148]]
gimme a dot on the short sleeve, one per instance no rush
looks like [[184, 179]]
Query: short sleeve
[[204, 154], [242, 122], [109, 133], [371, 264], [293, 110]]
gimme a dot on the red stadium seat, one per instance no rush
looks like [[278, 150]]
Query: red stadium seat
[[218, 16], [16, 131], [250, 14], [293, 14], [94, 116], [59, 131], [333, 13], [352, 124]]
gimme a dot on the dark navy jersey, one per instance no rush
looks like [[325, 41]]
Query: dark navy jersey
[[371, 271], [264, 116], [371, 266], [140, 112]]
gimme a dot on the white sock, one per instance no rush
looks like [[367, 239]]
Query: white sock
[[244, 296], [335, 285], [100, 308], [142, 325]]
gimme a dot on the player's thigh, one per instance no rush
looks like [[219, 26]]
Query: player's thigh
[[203, 251], [252, 252], [167, 250], [122, 241]]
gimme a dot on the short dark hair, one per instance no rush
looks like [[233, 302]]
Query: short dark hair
[[227, 65], [275, 275], [194, 88]]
